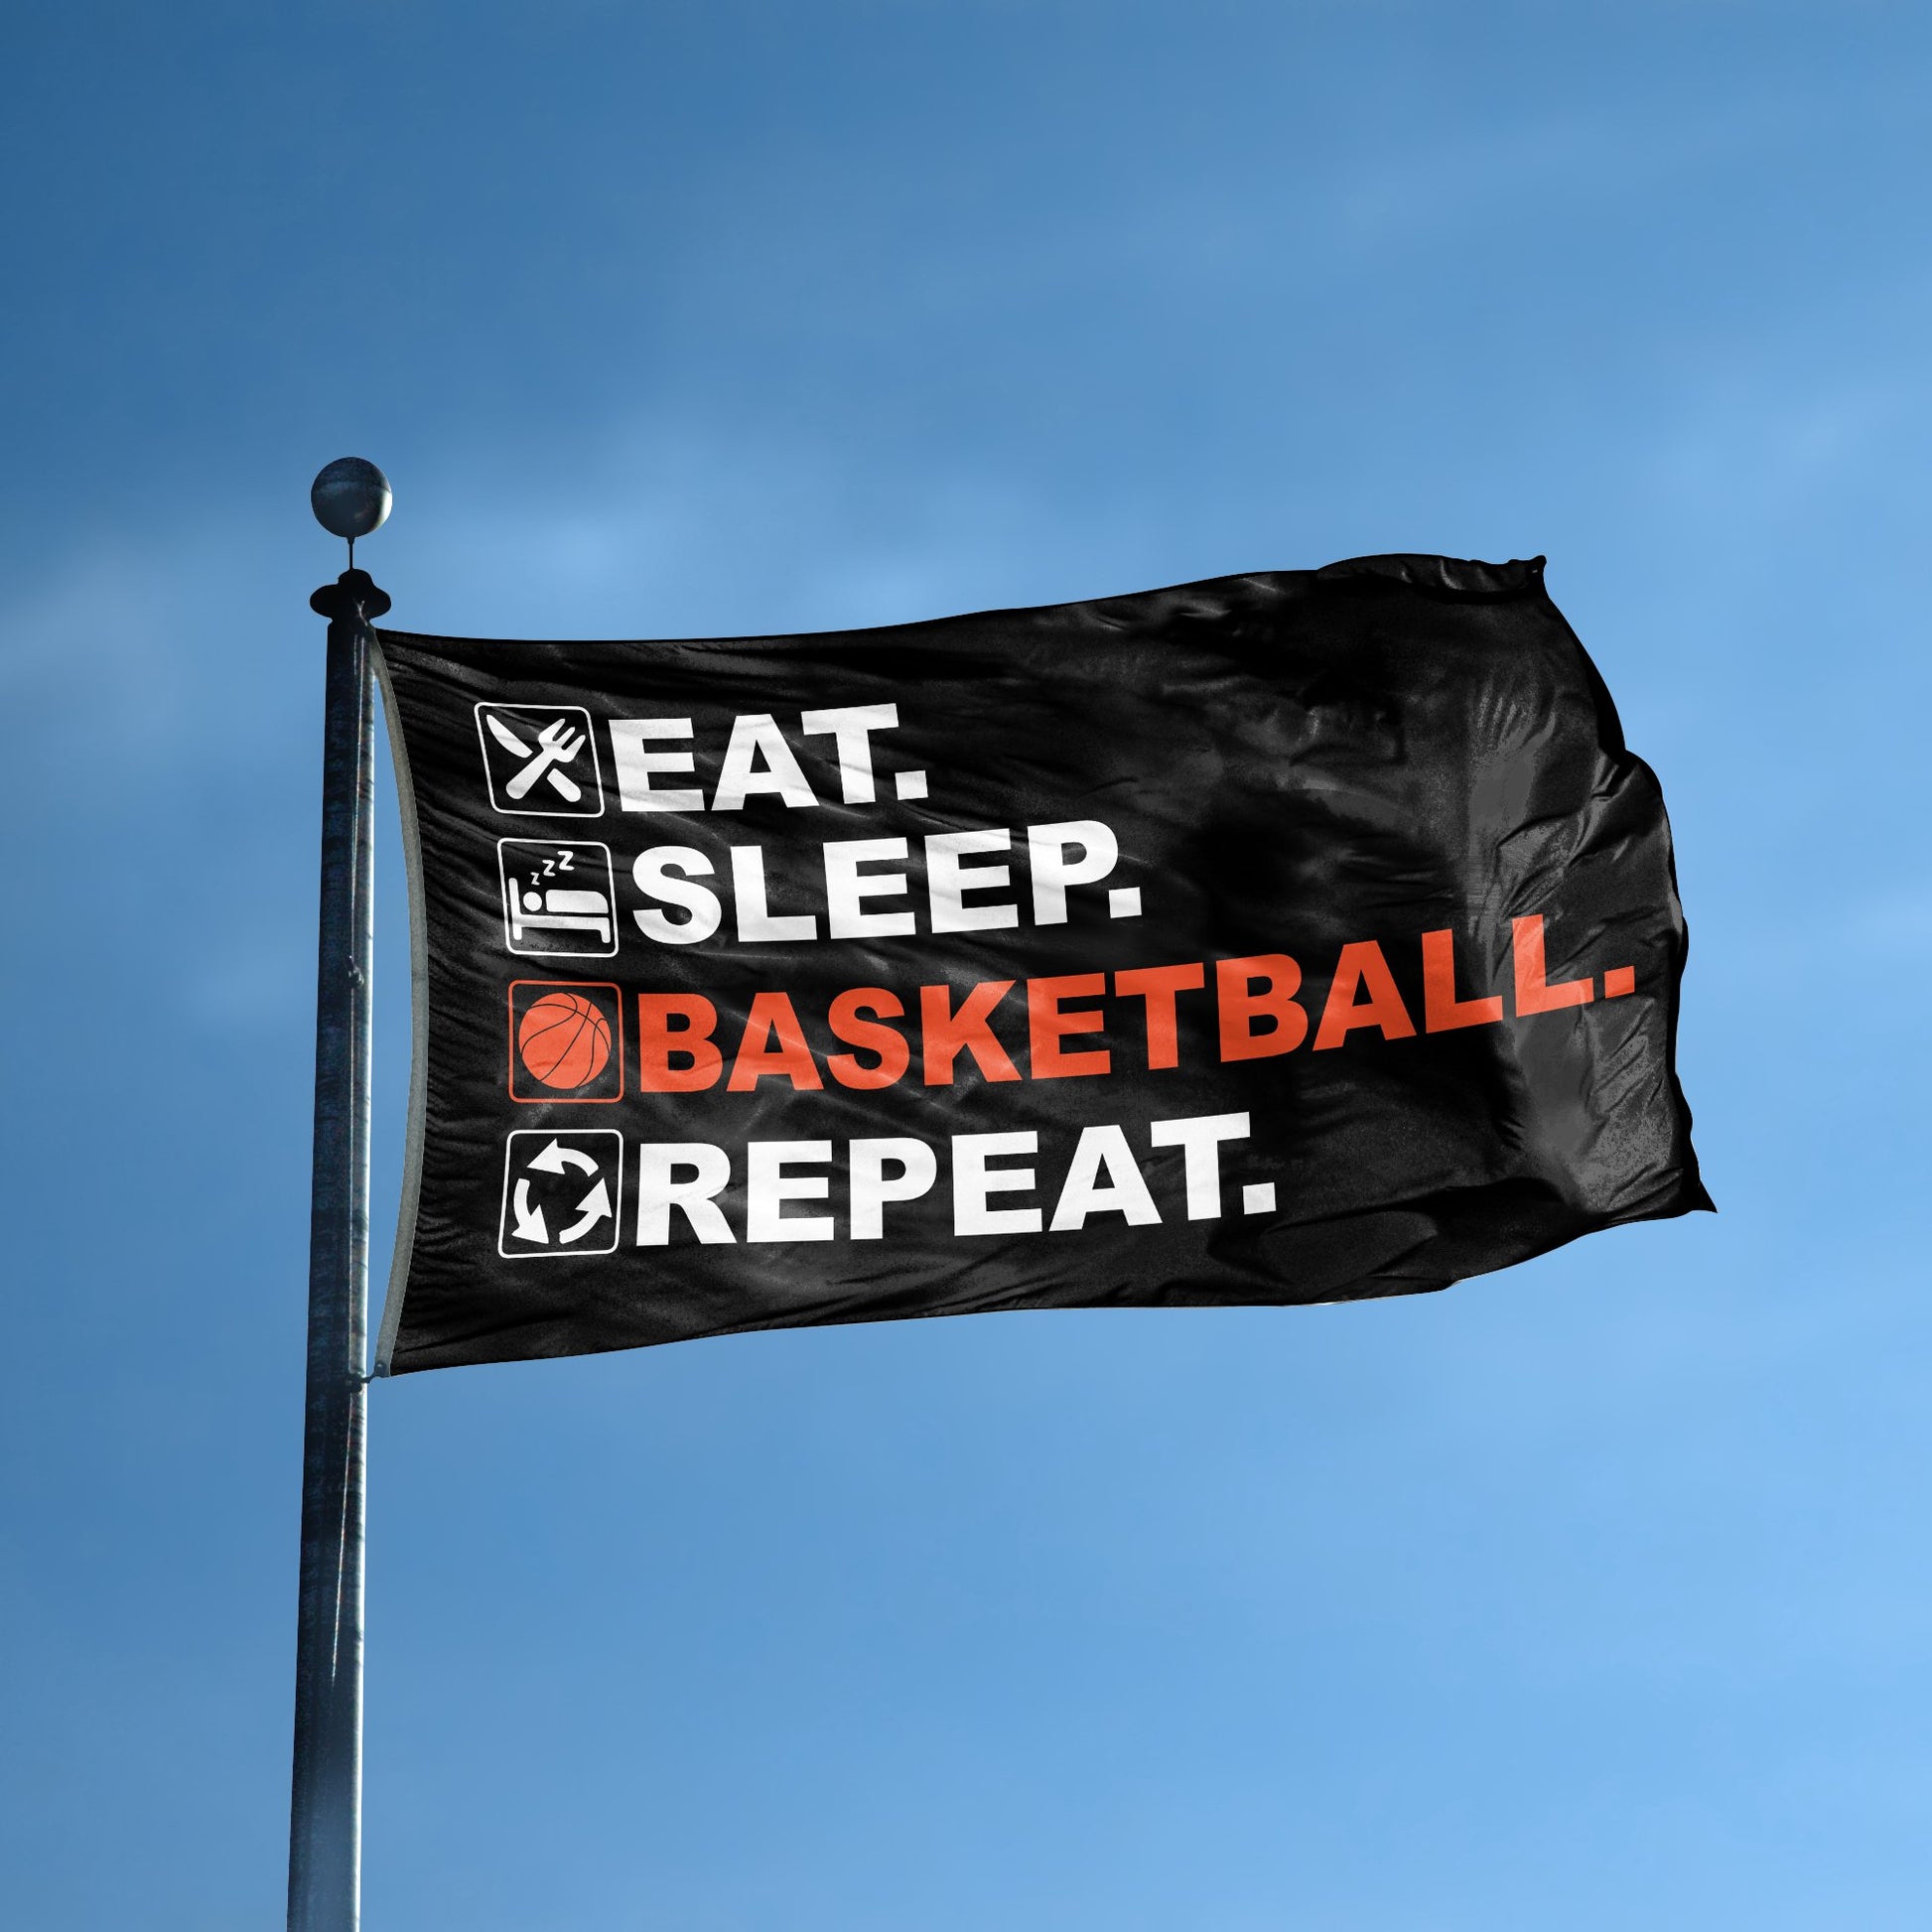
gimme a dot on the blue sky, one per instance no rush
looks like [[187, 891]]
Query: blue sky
[[1594, 1595]]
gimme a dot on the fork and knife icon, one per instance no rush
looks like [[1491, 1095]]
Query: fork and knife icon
[[556, 744]]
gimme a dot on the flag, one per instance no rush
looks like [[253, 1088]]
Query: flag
[[1294, 937]]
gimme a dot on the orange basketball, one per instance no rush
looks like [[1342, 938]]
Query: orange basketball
[[564, 1039]]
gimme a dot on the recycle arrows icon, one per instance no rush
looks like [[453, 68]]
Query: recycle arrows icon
[[555, 1158]]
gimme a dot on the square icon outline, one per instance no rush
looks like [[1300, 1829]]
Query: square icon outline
[[504, 890], [553, 710], [509, 1168], [555, 1097]]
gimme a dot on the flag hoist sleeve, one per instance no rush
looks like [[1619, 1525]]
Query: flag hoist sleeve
[[1292, 937]]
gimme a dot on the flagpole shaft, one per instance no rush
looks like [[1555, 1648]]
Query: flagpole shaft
[[326, 1814]]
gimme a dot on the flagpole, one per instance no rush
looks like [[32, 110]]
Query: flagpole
[[326, 1809]]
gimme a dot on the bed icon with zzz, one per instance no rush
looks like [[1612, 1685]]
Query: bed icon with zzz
[[559, 900]]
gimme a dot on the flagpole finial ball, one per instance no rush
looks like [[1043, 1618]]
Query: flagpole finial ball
[[351, 497]]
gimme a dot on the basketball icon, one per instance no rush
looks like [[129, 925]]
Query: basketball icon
[[563, 1040]]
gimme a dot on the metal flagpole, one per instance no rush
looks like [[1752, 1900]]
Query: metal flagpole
[[351, 498]]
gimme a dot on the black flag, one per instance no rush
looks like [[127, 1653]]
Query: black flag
[[1292, 937]]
